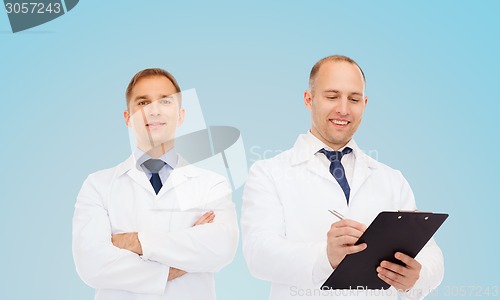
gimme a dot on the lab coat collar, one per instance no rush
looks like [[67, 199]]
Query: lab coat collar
[[182, 172], [307, 145]]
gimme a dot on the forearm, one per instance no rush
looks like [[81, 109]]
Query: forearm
[[203, 248], [206, 247]]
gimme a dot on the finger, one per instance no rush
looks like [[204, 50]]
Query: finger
[[350, 231], [391, 281], [342, 240], [212, 219], [207, 215], [394, 276], [348, 249], [408, 260], [355, 249], [396, 268], [350, 223], [203, 218], [206, 218], [404, 275]]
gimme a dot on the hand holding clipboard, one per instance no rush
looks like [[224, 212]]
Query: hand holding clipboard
[[390, 232]]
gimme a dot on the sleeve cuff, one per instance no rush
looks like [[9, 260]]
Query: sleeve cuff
[[145, 245], [322, 268], [162, 280]]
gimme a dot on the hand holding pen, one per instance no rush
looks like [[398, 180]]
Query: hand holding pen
[[341, 239]]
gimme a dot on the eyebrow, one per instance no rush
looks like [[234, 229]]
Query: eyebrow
[[141, 98], [144, 97], [331, 91], [338, 92]]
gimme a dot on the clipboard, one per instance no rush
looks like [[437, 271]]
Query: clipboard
[[390, 232]]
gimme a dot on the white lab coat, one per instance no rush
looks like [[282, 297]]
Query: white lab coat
[[121, 199], [285, 219]]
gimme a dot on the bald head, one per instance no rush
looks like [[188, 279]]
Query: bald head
[[333, 58]]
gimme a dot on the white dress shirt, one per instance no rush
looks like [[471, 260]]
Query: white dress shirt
[[170, 159]]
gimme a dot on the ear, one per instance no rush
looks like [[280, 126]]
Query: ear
[[126, 116], [366, 100], [308, 99], [182, 112]]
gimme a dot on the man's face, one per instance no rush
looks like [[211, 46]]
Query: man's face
[[337, 103], [154, 112]]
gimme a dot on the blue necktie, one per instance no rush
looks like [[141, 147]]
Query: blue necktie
[[337, 170], [154, 166]]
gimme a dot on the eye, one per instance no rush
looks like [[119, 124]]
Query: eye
[[332, 97], [355, 100], [165, 101], [142, 103]]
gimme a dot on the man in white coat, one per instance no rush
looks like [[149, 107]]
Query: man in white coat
[[288, 235], [153, 227]]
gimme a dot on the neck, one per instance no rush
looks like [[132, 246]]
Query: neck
[[333, 145], [158, 151]]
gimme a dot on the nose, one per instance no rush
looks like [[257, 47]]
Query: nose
[[152, 109], [342, 107]]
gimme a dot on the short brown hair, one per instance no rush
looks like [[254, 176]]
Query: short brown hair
[[332, 58], [149, 73]]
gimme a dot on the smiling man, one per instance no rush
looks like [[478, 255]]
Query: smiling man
[[154, 227], [290, 238]]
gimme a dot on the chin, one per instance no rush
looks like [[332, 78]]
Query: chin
[[338, 141], [157, 141]]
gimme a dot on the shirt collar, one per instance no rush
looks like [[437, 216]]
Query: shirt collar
[[170, 157]]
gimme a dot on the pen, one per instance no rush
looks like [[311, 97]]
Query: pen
[[337, 214]]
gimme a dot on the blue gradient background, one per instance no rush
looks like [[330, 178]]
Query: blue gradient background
[[432, 71]]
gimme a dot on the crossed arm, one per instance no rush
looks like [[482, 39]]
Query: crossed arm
[[106, 261], [130, 241]]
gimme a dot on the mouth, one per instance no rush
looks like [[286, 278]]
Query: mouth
[[339, 122], [153, 125]]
